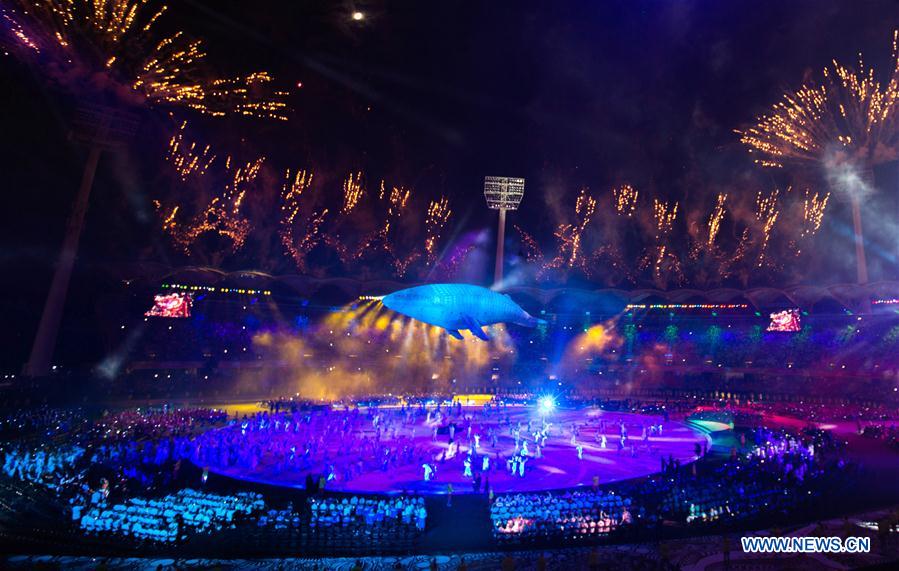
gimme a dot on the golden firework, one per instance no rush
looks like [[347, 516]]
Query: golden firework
[[715, 219], [766, 212], [813, 208], [533, 252], [570, 236], [438, 214], [664, 215], [187, 158], [222, 215], [352, 192], [661, 259], [291, 192], [110, 43], [849, 117], [624, 198], [298, 245]]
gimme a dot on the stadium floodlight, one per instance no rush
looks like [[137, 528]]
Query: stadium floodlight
[[502, 193]]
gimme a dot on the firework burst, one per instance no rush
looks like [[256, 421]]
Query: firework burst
[[661, 259], [570, 236], [849, 117], [813, 208], [533, 252], [625, 198], [111, 46], [187, 158], [352, 192], [397, 201], [299, 238], [766, 212], [292, 191], [715, 219], [664, 215], [221, 216], [299, 248], [436, 218]]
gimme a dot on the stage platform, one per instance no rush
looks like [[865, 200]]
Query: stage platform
[[343, 445]]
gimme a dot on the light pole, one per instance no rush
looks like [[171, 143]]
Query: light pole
[[861, 264], [502, 193], [101, 128]]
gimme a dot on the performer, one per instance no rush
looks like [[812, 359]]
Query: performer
[[467, 463], [428, 471], [580, 452]]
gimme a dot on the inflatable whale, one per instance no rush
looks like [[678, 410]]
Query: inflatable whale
[[458, 306]]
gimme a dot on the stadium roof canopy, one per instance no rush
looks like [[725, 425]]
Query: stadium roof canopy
[[814, 299]]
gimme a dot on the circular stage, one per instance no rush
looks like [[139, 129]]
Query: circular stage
[[385, 450]]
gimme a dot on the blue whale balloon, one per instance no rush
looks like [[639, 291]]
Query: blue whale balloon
[[458, 306]]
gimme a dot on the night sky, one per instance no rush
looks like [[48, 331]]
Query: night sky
[[437, 95]]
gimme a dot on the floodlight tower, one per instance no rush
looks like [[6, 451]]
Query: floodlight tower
[[101, 128], [502, 193]]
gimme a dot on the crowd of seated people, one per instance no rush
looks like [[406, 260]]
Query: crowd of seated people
[[704, 501], [42, 420], [344, 523], [119, 479], [776, 473], [169, 518], [388, 521], [141, 449], [223, 333], [156, 422], [570, 515], [884, 433], [830, 412], [279, 519], [132, 452], [96, 473], [46, 465]]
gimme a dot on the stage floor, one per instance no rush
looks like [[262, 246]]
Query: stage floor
[[558, 467]]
